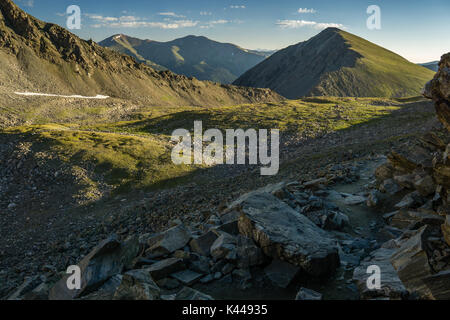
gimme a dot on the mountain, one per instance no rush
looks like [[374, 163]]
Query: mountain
[[36, 56], [337, 63], [192, 56], [434, 65]]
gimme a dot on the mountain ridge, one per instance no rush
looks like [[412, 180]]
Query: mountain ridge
[[36, 56], [193, 56], [337, 63]]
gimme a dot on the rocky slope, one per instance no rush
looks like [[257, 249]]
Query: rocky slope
[[191, 56], [41, 57], [337, 63]]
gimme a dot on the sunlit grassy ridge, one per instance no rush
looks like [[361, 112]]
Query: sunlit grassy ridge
[[137, 153], [377, 73]]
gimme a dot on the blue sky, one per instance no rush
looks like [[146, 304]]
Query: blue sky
[[417, 30]]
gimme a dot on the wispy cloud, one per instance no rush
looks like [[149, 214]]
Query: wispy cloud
[[171, 14], [137, 22], [205, 13], [294, 24], [306, 10], [237, 7]]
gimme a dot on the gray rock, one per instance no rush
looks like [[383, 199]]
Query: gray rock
[[411, 219], [107, 259], [223, 245], [169, 241], [446, 229], [352, 200], [390, 187], [411, 263], [137, 285], [187, 277], [391, 285], [411, 200], [28, 285], [439, 285], [308, 294], [168, 283], [405, 181], [248, 254], [202, 244], [107, 290], [190, 294], [286, 234], [281, 273], [228, 268], [425, 186], [164, 268], [200, 264]]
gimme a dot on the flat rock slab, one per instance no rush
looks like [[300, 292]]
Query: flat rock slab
[[162, 269], [308, 294], [187, 277], [137, 285], [202, 244], [285, 234]]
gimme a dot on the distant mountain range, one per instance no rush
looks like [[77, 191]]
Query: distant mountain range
[[191, 56], [337, 63], [36, 56], [434, 65]]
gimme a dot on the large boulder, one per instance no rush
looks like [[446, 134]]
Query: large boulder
[[169, 241], [107, 259], [438, 89], [411, 263], [285, 234]]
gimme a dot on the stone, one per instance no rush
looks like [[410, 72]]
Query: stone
[[411, 263], [334, 220], [281, 273], [137, 285], [411, 200], [315, 183], [229, 227], [164, 268], [187, 277], [439, 285], [425, 186], [391, 285], [384, 172], [223, 245], [107, 290], [190, 294], [308, 294], [169, 241], [248, 254], [168, 283], [389, 187], [406, 180], [207, 279], [352, 200], [373, 199], [228, 268], [200, 264], [28, 285], [230, 216], [285, 234], [108, 258], [202, 244], [446, 229], [411, 219]]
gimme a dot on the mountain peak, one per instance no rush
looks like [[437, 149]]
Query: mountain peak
[[336, 63]]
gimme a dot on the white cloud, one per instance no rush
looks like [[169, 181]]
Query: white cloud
[[171, 14], [306, 10], [205, 13], [294, 24], [237, 7], [28, 3], [137, 22]]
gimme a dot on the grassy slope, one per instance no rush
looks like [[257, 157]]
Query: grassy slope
[[137, 153], [380, 73]]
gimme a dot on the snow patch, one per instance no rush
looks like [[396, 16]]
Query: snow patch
[[99, 96]]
